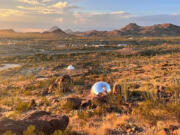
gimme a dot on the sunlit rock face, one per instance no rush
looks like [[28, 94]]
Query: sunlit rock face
[[100, 87]]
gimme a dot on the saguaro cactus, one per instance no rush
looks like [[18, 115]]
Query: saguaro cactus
[[122, 90]]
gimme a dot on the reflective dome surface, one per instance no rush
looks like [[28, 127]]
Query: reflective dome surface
[[70, 67], [100, 87]]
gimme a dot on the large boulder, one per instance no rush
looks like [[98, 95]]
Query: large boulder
[[43, 121]]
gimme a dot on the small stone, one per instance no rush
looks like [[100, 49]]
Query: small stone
[[128, 131], [172, 127]]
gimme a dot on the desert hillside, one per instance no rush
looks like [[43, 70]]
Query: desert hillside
[[133, 29]]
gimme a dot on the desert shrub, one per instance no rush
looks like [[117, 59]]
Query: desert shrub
[[100, 110], [108, 104], [174, 108], [65, 132], [150, 111], [114, 103], [3, 92], [150, 96], [45, 101], [30, 87], [37, 86], [30, 130], [85, 115], [58, 132], [79, 89], [27, 93], [174, 89], [9, 101], [23, 107], [154, 111], [68, 106], [9, 133]]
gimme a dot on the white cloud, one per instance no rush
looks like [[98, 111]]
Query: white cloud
[[39, 10], [57, 8], [32, 2], [10, 12], [100, 18], [60, 5]]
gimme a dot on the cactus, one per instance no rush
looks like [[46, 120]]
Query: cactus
[[122, 90]]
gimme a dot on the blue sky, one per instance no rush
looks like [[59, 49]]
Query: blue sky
[[133, 6], [39, 15]]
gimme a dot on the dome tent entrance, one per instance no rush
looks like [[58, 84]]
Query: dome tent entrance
[[100, 87], [70, 67]]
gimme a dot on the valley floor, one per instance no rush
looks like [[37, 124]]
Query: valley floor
[[139, 71]]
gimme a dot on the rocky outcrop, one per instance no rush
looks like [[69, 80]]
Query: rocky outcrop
[[43, 121], [63, 84]]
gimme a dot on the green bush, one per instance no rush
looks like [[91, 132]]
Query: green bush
[[30, 131], [146, 111], [9, 133], [23, 107], [66, 132], [174, 108], [85, 115]]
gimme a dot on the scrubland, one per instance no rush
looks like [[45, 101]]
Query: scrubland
[[139, 70]]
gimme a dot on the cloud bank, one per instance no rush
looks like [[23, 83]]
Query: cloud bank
[[43, 14]]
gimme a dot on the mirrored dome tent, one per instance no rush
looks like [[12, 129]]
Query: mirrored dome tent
[[70, 67], [100, 87]]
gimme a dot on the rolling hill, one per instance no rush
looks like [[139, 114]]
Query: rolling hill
[[133, 29]]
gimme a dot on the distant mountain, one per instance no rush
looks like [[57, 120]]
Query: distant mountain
[[55, 28], [133, 29], [161, 30], [129, 30], [69, 31], [7, 30], [53, 33], [92, 33], [57, 31]]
